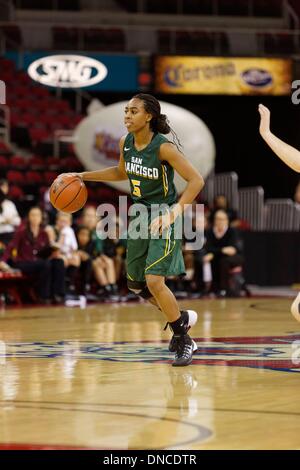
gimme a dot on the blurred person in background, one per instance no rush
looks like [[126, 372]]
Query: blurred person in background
[[87, 253], [103, 266], [221, 202], [62, 236], [222, 251], [9, 217], [30, 251], [90, 220], [111, 260]]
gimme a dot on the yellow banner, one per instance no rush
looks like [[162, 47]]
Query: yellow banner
[[223, 75]]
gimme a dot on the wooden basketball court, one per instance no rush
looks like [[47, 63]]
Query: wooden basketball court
[[101, 378]]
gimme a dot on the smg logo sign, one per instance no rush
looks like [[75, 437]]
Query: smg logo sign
[[67, 71]]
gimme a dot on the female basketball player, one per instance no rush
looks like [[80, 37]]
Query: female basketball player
[[288, 155], [148, 160]]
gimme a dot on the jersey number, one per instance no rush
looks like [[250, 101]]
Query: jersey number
[[136, 188]]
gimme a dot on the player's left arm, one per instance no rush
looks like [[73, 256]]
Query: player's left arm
[[195, 182]]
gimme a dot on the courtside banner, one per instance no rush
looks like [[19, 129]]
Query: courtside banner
[[81, 70], [223, 75]]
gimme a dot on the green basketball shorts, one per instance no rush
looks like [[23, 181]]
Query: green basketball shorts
[[161, 256]]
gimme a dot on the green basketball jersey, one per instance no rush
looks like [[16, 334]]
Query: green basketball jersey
[[151, 180]]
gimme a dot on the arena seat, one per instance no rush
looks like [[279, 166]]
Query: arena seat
[[14, 177]]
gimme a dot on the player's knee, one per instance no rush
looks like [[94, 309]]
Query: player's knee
[[154, 283]]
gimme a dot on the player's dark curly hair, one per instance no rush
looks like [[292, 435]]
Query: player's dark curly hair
[[159, 122]]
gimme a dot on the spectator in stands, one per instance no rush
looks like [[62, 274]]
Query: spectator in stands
[[87, 253], [66, 242], [90, 220], [222, 251], [30, 251], [109, 262], [202, 272], [119, 244], [9, 217], [221, 202]]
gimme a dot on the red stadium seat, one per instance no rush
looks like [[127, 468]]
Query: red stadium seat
[[26, 119], [17, 162], [6, 76], [15, 177], [15, 192], [71, 164], [37, 163], [40, 91], [44, 104], [23, 103], [7, 64], [48, 120], [62, 105], [38, 134], [33, 177], [65, 120], [23, 78], [49, 177], [3, 163], [53, 163], [15, 119], [20, 91], [4, 148]]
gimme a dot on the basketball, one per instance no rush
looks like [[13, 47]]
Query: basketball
[[68, 193]]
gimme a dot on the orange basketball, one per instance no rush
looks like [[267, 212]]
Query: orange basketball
[[68, 193]]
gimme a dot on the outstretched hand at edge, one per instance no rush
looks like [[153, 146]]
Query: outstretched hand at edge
[[264, 127]]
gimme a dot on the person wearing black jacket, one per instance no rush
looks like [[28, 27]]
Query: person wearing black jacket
[[223, 250]]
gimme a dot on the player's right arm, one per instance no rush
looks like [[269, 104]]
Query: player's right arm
[[288, 154], [113, 173]]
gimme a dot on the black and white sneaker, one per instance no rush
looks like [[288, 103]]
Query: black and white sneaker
[[295, 308], [189, 318], [184, 351]]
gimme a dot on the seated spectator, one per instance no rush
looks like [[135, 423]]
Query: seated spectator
[[222, 251], [116, 247], [109, 260], [90, 220], [202, 276], [109, 264], [9, 217], [30, 251], [221, 202], [66, 242], [87, 253]]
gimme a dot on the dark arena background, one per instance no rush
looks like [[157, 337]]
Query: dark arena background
[[84, 362]]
